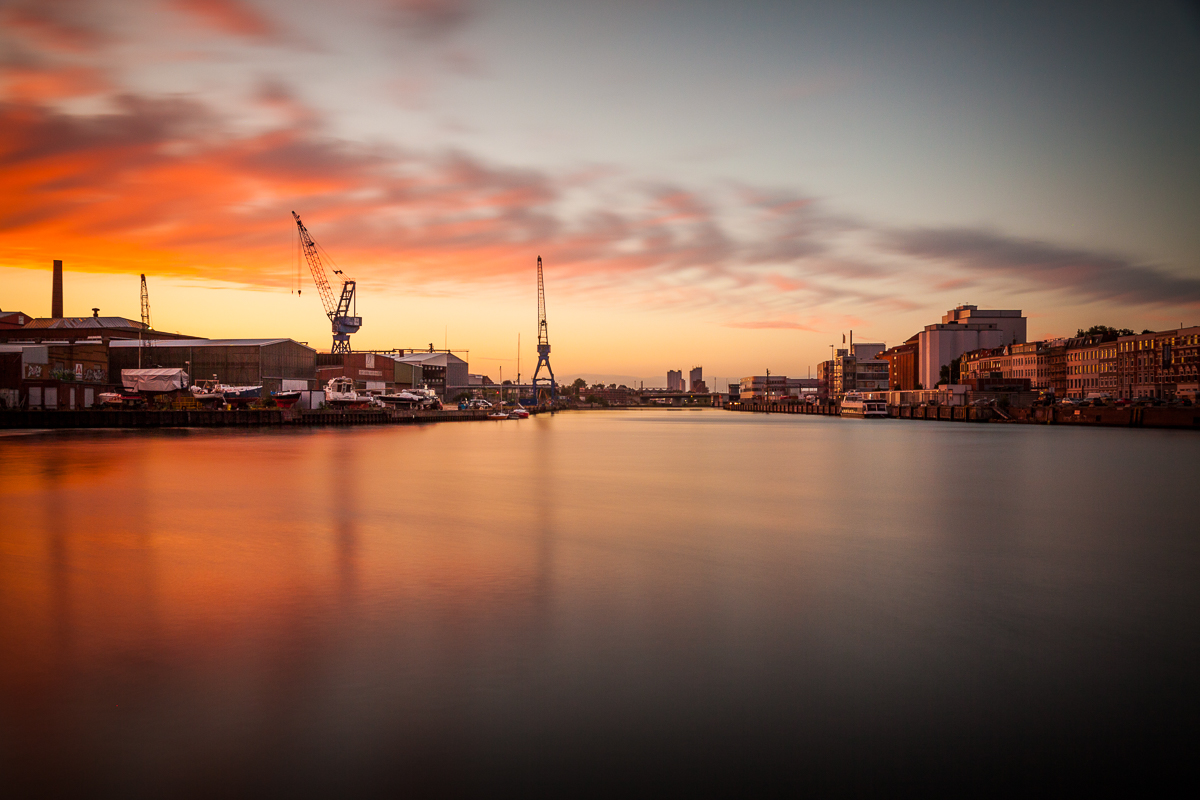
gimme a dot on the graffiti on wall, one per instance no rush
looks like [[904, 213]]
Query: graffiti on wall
[[33, 370]]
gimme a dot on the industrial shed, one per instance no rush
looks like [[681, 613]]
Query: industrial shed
[[439, 370], [235, 362]]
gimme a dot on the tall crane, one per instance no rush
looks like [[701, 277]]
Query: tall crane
[[339, 310], [145, 320], [543, 387], [145, 305]]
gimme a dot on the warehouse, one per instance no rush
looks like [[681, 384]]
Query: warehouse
[[438, 370], [52, 376], [235, 362]]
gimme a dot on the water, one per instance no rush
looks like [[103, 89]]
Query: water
[[597, 601]]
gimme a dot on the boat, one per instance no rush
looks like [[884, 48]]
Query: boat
[[339, 393], [240, 395], [286, 399], [207, 391], [123, 399], [497, 413], [518, 413], [854, 405], [401, 399]]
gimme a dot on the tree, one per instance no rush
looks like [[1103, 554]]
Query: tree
[[578, 384], [951, 372], [1104, 329]]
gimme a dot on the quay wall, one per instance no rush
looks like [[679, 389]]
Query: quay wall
[[1187, 418], [241, 418]]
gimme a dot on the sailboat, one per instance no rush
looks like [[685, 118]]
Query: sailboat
[[498, 412]]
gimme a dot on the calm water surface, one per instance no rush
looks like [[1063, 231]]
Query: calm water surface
[[596, 600]]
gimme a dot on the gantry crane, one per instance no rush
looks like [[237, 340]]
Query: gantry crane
[[544, 388], [339, 312]]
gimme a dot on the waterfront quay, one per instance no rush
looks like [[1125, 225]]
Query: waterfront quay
[[240, 418], [1124, 417]]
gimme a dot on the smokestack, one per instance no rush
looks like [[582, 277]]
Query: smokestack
[[96, 312], [56, 296]]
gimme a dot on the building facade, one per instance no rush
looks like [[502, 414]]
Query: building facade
[[962, 330], [903, 365], [1159, 365], [53, 376]]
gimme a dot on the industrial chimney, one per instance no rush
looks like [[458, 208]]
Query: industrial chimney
[[56, 296]]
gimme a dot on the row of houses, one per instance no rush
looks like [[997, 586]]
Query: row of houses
[[987, 350], [1158, 365]]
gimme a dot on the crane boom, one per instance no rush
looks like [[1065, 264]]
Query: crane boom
[[543, 333], [338, 310]]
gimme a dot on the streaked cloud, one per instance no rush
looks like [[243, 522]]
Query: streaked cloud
[[977, 255]]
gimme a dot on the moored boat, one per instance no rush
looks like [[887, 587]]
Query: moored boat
[[286, 399], [207, 391], [519, 413], [854, 405], [340, 393], [241, 395]]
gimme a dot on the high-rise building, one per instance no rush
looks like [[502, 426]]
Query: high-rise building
[[696, 380], [675, 380]]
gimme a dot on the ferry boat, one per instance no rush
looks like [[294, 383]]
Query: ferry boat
[[854, 405]]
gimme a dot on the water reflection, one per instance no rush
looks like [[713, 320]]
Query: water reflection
[[577, 600]]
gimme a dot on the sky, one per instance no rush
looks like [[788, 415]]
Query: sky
[[729, 185]]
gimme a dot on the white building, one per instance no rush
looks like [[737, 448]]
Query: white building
[[961, 330]]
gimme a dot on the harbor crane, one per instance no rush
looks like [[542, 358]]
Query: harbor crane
[[342, 311], [145, 318], [544, 388]]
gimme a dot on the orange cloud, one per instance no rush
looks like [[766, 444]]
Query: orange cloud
[[39, 84]]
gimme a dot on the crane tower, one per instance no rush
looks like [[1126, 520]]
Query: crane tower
[[338, 310], [543, 387]]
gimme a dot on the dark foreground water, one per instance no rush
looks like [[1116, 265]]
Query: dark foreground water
[[598, 601]]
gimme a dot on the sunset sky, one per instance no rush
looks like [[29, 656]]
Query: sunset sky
[[727, 184]]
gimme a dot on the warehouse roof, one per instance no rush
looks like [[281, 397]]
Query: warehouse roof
[[84, 322], [203, 343], [433, 359]]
